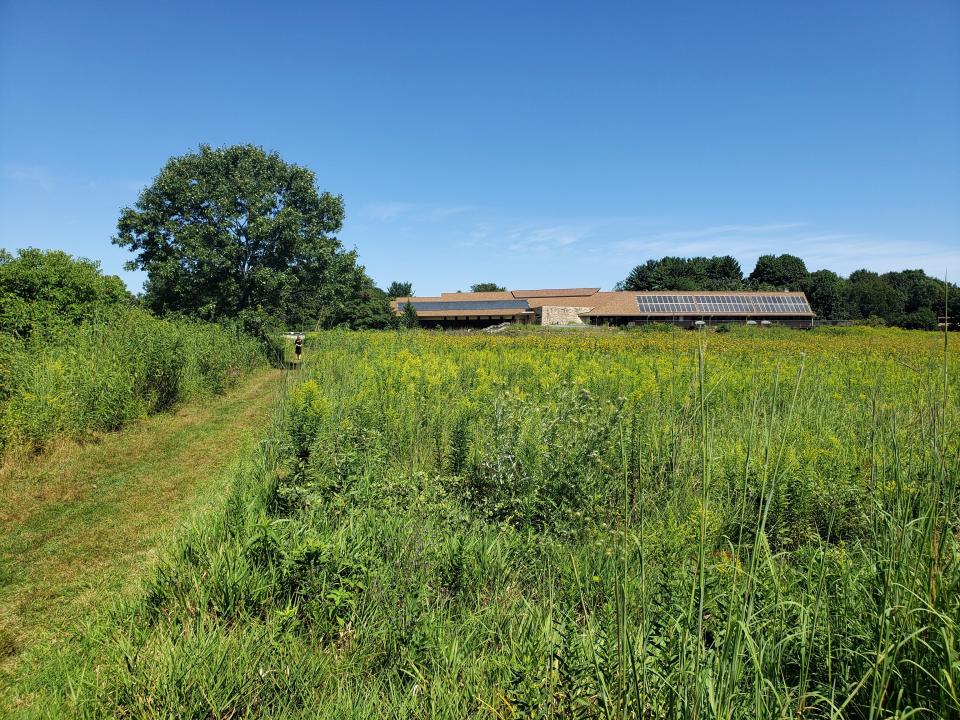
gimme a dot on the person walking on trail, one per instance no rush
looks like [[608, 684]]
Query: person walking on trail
[[298, 346]]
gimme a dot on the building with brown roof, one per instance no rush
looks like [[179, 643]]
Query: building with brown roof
[[591, 306]]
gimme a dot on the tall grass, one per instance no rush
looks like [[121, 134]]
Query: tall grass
[[99, 375], [623, 526]]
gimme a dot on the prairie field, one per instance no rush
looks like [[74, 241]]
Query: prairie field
[[601, 525], [99, 375]]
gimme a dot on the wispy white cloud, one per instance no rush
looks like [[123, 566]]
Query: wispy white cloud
[[603, 249], [541, 239], [410, 212], [128, 187], [842, 252], [39, 177], [27, 174], [724, 230]]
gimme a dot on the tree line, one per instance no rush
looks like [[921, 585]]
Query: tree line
[[908, 298]]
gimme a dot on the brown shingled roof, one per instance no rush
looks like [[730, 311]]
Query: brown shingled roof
[[474, 296], [558, 293], [614, 303]]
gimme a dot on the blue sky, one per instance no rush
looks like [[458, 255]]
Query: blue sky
[[531, 144]]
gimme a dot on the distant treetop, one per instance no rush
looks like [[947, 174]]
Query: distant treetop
[[487, 287], [400, 289], [677, 273], [780, 272]]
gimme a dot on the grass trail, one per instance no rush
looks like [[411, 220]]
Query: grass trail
[[83, 522]]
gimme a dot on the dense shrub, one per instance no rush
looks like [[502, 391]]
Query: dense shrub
[[98, 375], [43, 291]]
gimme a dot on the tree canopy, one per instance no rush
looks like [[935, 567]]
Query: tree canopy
[[827, 294], [224, 231], [487, 287], [399, 289], [677, 273], [42, 290], [779, 272]]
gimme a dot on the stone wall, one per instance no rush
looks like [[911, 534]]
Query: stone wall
[[553, 315]]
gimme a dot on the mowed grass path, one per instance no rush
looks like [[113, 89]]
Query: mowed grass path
[[80, 525]]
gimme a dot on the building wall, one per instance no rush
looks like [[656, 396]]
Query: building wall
[[456, 322], [555, 315]]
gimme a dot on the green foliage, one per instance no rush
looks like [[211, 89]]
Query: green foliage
[[257, 324], [400, 289], [97, 376], [220, 230], [45, 290], [827, 294], [676, 273], [227, 230], [487, 287], [630, 525], [409, 317], [778, 272], [870, 295], [655, 327], [920, 319]]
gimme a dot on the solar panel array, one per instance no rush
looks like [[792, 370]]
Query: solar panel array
[[782, 303], [725, 303], [469, 305], [733, 304], [666, 303]]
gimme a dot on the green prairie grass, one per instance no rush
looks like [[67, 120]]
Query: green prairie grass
[[635, 525], [98, 376]]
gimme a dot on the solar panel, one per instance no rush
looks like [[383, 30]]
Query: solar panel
[[470, 305], [672, 304], [721, 304]]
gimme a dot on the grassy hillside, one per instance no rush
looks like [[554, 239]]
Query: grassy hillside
[[655, 525]]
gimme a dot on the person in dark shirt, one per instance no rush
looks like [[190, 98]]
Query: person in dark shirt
[[298, 347]]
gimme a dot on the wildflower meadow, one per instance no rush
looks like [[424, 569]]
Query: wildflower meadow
[[752, 524]]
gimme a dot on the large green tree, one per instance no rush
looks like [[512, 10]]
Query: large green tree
[[919, 290], [779, 272], [43, 290], [226, 230]]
